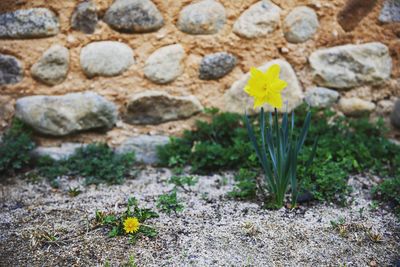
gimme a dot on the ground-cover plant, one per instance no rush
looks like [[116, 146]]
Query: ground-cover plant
[[98, 163], [183, 182], [246, 186], [346, 146], [131, 222], [389, 191], [15, 147], [169, 203]]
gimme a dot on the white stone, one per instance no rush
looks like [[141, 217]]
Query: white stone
[[349, 66], [355, 106], [106, 58], [259, 20], [203, 17], [236, 99], [66, 114], [300, 24], [165, 64], [52, 68]]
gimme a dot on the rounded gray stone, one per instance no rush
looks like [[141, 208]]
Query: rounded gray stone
[[259, 20], [29, 23], [321, 97], [395, 116], [390, 12], [350, 65], [204, 17], [215, 66], [165, 64], [300, 24], [154, 107], [134, 16], [85, 18], [106, 58], [52, 68], [66, 114], [11, 71], [144, 146], [62, 152]]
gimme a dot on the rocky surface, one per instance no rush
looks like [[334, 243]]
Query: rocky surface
[[355, 106], [349, 66], [10, 70], [259, 20], [29, 23], [395, 116], [353, 12], [134, 16], [300, 24], [390, 12], [52, 68], [203, 17], [236, 100], [144, 146], [106, 58], [321, 97], [62, 152], [165, 64], [217, 65], [66, 114], [154, 107], [85, 18]]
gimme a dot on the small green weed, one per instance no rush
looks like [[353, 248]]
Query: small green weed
[[183, 182], [169, 203], [98, 163], [246, 186], [118, 222], [15, 148], [74, 191]]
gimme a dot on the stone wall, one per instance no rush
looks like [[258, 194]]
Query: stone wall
[[126, 67]]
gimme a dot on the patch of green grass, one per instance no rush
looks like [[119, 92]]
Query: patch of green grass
[[169, 203], [15, 148], [98, 163], [346, 146]]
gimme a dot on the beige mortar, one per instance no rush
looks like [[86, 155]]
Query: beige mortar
[[249, 53]]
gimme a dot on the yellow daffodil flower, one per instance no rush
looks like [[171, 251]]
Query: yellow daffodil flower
[[266, 87], [131, 225]]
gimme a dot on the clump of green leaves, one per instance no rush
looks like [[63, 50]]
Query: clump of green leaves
[[115, 222], [389, 191], [169, 203], [346, 146], [98, 163], [246, 186], [183, 182], [278, 153], [15, 148], [74, 191]]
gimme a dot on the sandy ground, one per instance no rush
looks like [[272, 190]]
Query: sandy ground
[[212, 230]]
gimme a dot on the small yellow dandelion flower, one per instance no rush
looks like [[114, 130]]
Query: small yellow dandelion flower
[[131, 225], [266, 87]]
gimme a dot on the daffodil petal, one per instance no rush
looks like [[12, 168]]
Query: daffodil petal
[[273, 73], [258, 102], [277, 86], [275, 100]]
